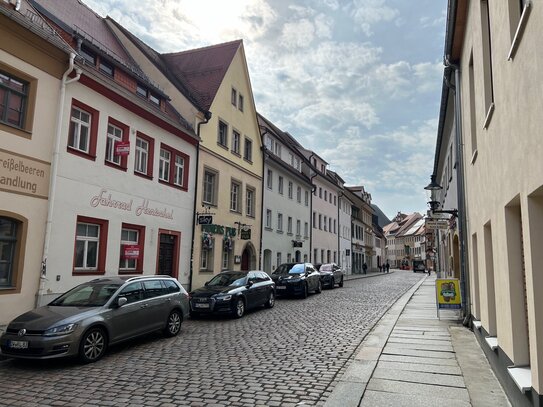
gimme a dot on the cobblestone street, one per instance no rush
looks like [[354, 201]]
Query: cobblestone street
[[289, 355]]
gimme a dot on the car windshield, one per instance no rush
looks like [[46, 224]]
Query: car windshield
[[87, 295], [326, 267], [290, 268], [227, 279]]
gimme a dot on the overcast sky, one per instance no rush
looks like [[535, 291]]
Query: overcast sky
[[358, 82]]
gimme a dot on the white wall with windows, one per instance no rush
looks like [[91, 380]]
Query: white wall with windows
[[119, 214], [345, 258]]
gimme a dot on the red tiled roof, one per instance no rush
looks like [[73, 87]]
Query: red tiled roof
[[76, 16], [203, 69]]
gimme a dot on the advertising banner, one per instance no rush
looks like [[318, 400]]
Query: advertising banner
[[448, 293], [131, 251]]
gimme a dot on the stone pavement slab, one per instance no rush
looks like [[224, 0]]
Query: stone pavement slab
[[384, 399]]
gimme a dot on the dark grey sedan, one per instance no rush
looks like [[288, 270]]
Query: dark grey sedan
[[331, 274], [87, 319]]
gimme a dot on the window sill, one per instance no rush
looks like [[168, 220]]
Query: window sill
[[209, 204], [87, 272], [141, 174], [520, 30], [235, 153], [492, 342], [113, 165], [206, 271], [248, 161], [477, 324], [161, 181], [235, 212], [268, 228], [488, 117], [222, 146], [81, 153], [280, 232], [522, 376], [18, 131], [125, 272], [474, 157]]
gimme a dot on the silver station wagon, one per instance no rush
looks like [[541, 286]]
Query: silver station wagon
[[87, 319]]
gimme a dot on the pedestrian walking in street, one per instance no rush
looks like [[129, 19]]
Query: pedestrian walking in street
[[387, 267], [364, 268]]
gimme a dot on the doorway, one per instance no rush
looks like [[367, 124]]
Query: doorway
[[248, 258], [168, 253]]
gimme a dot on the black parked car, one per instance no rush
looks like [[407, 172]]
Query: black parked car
[[296, 279], [233, 292], [331, 274]]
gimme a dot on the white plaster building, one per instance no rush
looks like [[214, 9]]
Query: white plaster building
[[345, 227]]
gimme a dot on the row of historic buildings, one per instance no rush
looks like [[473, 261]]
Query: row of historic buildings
[[487, 181], [119, 160]]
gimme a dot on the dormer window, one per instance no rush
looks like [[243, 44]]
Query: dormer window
[[106, 67], [154, 99], [141, 91], [88, 55]]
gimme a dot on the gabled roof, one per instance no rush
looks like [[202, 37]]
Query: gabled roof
[[203, 69], [382, 218]]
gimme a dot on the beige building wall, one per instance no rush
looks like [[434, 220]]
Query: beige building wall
[[229, 166], [502, 124], [31, 59]]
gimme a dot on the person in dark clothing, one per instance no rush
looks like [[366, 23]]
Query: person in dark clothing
[[387, 267], [364, 268]]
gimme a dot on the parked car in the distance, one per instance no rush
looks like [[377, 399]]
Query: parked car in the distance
[[331, 274], [87, 319], [233, 292], [418, 265], [296, 279]]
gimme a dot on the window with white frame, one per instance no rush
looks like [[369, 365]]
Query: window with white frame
[[277, 149], [142, 156], [290, 189], [279, 222], [298, 227], [114, 135], [299, 194], [250, 202], [280, 185], [240, 102], [325, 223], [164, 165], [279, 258], [235, 196], [225, 259], [234, 97], [269, 179], [306, 229], [79, 132], [236, 140], [289, 225], [268, 142], [268, 218], [306, 198], [222, 134], [289, 257], [86, 246], [210, 188], [248, 150], [128, 237], [179, 171], [204, 258]]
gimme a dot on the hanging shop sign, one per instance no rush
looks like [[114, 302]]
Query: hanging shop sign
[[437, 224], [245, 234], [219, 230], [297, 243], [205, 219]]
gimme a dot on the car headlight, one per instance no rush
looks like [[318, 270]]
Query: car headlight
[[224, 297], [60, 330]]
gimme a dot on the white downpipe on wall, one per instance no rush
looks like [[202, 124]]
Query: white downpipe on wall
[[53, 174]]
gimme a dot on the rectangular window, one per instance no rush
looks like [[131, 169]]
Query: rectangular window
[[314, 219], [179, 171], [240, 103], [8, 252], [114, 135], [325, 223], [79, 132], [164, 165], [234, 97], [88, 55], [90, 245], [210, 188], [289, 257], [279, 259], [325, 195], [143, 162], [235, 191], [248, 150], [299, 194], [250, 198], [320, 192], [298, 228], [204, 258], [154, 99], [306, 198], [269, 180], [13, 100], [306, 229], [290, 189], [487, 62], [279, 222], [225, 259], [278, 149], [268, 218], [268, 142], [320, 221], [129, 261], [315, 255], [289, 225], [222, 136], [141, 90], [280, 186], [106, 67], [236, 140]]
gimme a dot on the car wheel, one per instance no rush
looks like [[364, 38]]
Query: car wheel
[[93, 345], [333, 283], [173, 325], [239, 311], [319, 288], [341, 282], [305, 293], [271, 300]]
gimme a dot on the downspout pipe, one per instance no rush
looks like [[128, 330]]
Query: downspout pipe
[[313, 189], [54, 171], [462, 218], [207, 118]]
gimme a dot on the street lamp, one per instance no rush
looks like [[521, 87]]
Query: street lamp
[[433, 204]]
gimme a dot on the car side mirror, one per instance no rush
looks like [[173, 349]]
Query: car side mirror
[[121, 301], [250, 283], [206, 283]]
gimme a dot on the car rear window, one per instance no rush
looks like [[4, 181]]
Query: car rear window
[[154, 288], [171, 287]]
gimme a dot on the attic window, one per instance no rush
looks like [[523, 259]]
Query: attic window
[[88, 55], [106, 67], [234, 97], [154, 99], [141, 91], [240, 102]]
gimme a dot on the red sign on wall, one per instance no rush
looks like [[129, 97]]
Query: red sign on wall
[[131, 251], [122, 148]]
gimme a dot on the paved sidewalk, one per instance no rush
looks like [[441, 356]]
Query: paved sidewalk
[[412, 359]]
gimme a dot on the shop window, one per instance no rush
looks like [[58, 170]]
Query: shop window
[[90, 245], [83, 130], [9, 232]]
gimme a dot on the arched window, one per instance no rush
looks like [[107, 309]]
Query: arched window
[[8, 244]]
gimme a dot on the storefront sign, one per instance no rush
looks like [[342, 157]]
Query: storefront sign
[[219, 230], [131, 251], [205, 219], [448, 293], [245, 234], [122, 148], [436, 224], [23, 175], [108, 200], [297, 243]]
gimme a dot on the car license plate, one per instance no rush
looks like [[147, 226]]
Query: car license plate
[[201, 305], [18, 344], [280, 287]]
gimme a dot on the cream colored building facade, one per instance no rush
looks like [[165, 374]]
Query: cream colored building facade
[[496, 46], [30, 68]]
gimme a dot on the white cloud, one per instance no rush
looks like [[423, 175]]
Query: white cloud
[[367, 13], [297, 34]]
